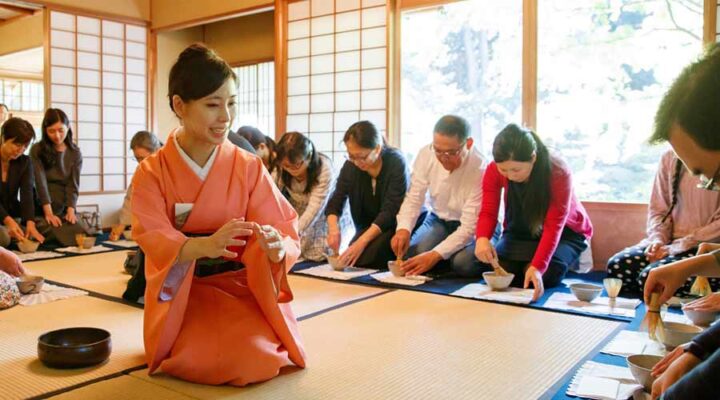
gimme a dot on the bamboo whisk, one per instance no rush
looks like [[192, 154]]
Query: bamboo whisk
[[701, 287], [652, 323], [499, 270]]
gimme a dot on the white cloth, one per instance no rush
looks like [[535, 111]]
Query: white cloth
[[452, 196], [604, 382], [326, 271], [201, 172], [38, 255], [50, 293], [484, 292], [627, 343], [388, 277], [602, 305], [77, 250]]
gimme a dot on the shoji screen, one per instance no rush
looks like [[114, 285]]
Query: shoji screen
[[98, 76], [336, 68]]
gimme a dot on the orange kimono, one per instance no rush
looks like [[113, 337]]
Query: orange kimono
[[234, 327]]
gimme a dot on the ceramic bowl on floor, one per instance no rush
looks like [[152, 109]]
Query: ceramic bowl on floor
[[498, 282], [128, 234], [88, 242], [640, 366], [701, 318], [677, 334], [586, 291], [28, 246], [28, 284], [394, 267], [335, 263], [74, 347]]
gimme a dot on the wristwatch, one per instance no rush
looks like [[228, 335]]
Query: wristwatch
[[696, 350]]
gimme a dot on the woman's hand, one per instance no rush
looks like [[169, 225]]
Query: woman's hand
[[32, 232], [70, 215], [532, 275], [350, 256], [10, 263], [421, 263], [677, 369], [216, 245], [484, 250], [116, 231], [656, 251], [663, 364], [666, 280], [707, 247], [708, 303], [270, 241], [334, 239], [13, 228]]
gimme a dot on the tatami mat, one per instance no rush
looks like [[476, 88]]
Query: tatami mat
[[101, 273], [411, 345], [314, 295], [22, 375], [122, 388]]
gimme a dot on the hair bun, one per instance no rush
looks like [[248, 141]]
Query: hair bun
[[196, 51]]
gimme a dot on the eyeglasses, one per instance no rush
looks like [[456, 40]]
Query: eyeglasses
[[357, 159], [448, 153], [292, 166], [710, 184]]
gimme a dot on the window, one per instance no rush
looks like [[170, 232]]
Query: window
[[19, 95], [336, 69], [461, 58], [98, 76], [603, 67], [256, 97]]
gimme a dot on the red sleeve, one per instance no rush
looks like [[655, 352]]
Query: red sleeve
[[492, 185], [558, 210]]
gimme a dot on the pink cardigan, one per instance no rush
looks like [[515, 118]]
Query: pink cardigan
[[564, 210]]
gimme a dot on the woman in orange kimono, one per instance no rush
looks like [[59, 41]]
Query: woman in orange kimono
[[218, 239]]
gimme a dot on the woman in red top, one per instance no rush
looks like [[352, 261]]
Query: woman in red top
[[545, 227]]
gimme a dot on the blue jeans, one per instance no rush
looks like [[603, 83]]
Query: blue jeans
[[433, 231]]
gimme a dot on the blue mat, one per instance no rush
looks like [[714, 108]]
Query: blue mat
[[445, 285]]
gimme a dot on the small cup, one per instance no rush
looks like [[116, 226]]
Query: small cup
[[28, 284], [335, 263], [612, 286], [395, 268], [80, 239], [88, 242]]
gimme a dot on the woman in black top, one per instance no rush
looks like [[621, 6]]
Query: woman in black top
[[17, 176], [57, 163], [374, 179]]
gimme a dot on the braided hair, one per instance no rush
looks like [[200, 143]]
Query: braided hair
[[677, 174]]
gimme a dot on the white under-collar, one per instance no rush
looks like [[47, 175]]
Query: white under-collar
[[201, 172]]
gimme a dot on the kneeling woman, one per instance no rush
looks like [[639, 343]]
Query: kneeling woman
[[305, 178], [374, 180], [218, 239], [546, 227]]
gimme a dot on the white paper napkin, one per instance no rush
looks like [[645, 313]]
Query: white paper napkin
[[601, 305], [484, 292], [326, 271], [50, 293], [38, 255], [77, 250], [627, 343], [603, 382], [388, 277]]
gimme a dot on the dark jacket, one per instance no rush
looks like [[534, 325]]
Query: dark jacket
[[366, 209], [240, 142], [702, 381], [59, 185], [20, 178]]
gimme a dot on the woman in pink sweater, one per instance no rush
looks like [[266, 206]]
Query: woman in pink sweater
[[680, 217], [545, 227]]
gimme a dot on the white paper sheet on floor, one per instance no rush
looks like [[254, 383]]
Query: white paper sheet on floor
[[603, 382], [326, 271], [602, 305], [484, 292], [50, 293]]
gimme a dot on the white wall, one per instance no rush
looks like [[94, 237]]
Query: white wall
[[109, 204]]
